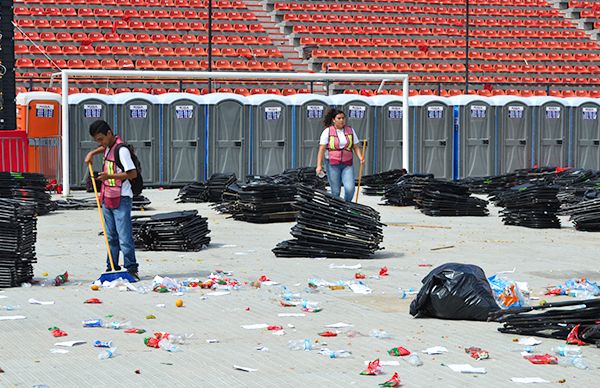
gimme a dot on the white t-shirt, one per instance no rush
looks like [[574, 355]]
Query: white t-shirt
[[340, 133], [125, 158]]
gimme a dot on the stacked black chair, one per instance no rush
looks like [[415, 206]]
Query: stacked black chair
[[530, 205], [376, 184], [330, 227], [210, 191], [441, 198], [585, 214], [27, 187], [17, 242], [265, 202], [406, 190], [175, 231]]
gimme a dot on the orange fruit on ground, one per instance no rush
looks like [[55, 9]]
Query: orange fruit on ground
[[179, 303], [95, 287]]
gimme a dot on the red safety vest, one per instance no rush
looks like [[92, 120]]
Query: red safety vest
[[110, 191], [339, 155]]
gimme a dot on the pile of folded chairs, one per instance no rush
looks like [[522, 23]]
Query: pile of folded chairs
[[376, 184], [406, 190], [27, 187], [175, 231], [585, 214], [17, 242], [209, 191], [330, 227], [441, 198], [530, 205]]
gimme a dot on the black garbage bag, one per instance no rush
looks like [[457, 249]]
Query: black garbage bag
[[455, 291]]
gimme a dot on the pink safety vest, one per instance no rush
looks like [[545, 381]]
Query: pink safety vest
[[339, 155], [110, 191]]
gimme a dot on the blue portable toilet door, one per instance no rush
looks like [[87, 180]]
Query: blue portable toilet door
[[515, 137], [82, 115], [359, 115], [185, 128], [228, 141], [553, 124], [435, 133], [310, 126], [271, 132], [390, 132], [587, 136], [139, 127], [477, 137]]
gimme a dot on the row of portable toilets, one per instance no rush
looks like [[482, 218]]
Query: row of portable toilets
[[181, 137]]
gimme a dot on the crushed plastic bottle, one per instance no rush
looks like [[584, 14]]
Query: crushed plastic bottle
[[335, 353], [117, 325], [414, 360], [576, 361], [380, 334], [406, 292], [92, 323], [10, 307], [304, 344], [107, 353], [167, 345], [566, 351], [177, 338]]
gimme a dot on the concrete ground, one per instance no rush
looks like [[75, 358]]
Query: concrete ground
[[69, 241]]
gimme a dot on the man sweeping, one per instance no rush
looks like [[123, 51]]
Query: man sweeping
[[116, 197]]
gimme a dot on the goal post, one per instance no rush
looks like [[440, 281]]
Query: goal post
[[67, 75]]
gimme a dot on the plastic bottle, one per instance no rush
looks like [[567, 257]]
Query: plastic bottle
[[117, 325], [103, 344], [177, 338], [381, 334], [414, 360], [300, 344], [10, 307], [566, 351], [579, 362], [526, 349], [92, 323], [336, 353], [107, 353], [167, 345]]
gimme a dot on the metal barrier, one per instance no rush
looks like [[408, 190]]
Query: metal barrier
[[45, 155], [13, 154]]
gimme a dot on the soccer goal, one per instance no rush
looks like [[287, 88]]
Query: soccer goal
[[71, 75]]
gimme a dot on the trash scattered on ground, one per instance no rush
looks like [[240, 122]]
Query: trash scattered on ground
[[42, 302], [398, 351], [529, 380], [107, 353], [508, 294], [328, 334], [529, 341], [61, 279], [345, 266], [455, 291], [102, 344], [477, 353], [379, 334], [541, 359], [11, 317], [69, 344], [56, 332], [435, 350], [179, 303], [440, 248], [255, 326], [244, 368], [466, 368], [304, 344], [393, 382], [58, 351], [93, 301], [212, 341], [581, 288], [373, 368]]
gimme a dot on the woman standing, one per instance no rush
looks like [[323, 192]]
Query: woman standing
[[336, 144]]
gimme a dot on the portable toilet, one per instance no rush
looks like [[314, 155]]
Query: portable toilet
[[433, 140], [550, 131], [38, 115], [476, 129], [514, 123], [308, 111], [360, 115], [228, 132], [584, 147], [270, 134], [388, 136], [138, 123], [183, 138], [84, 109]]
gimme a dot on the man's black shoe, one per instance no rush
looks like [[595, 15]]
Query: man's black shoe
[[134, 274]]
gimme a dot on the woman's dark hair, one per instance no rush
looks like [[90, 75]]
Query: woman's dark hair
[[99, 126], [330, 115]]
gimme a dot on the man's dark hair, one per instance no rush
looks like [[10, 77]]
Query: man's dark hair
[[99, 126]]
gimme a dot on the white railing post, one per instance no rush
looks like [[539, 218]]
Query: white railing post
[[65, 134]]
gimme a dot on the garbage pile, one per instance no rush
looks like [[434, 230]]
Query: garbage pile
[[330, 227], [17, 242], [573, 321], [529, 205], [455, 291], [440, 198], [264, 203], [211, 191], [27, 187], [406, 190], [175, 231], [376, 184]]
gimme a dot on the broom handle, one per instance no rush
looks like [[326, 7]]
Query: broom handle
[[112, 264], [360, 171]]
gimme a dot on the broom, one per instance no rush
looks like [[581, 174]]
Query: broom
[[361, 169], [113, 274]]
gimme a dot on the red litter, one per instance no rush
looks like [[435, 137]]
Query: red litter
[[541, 359], [274, 327], [359, 275], [263, 278], [393, 382], [477, 353], [383, 271], [328, 334], [93, 301], [372, 369]]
